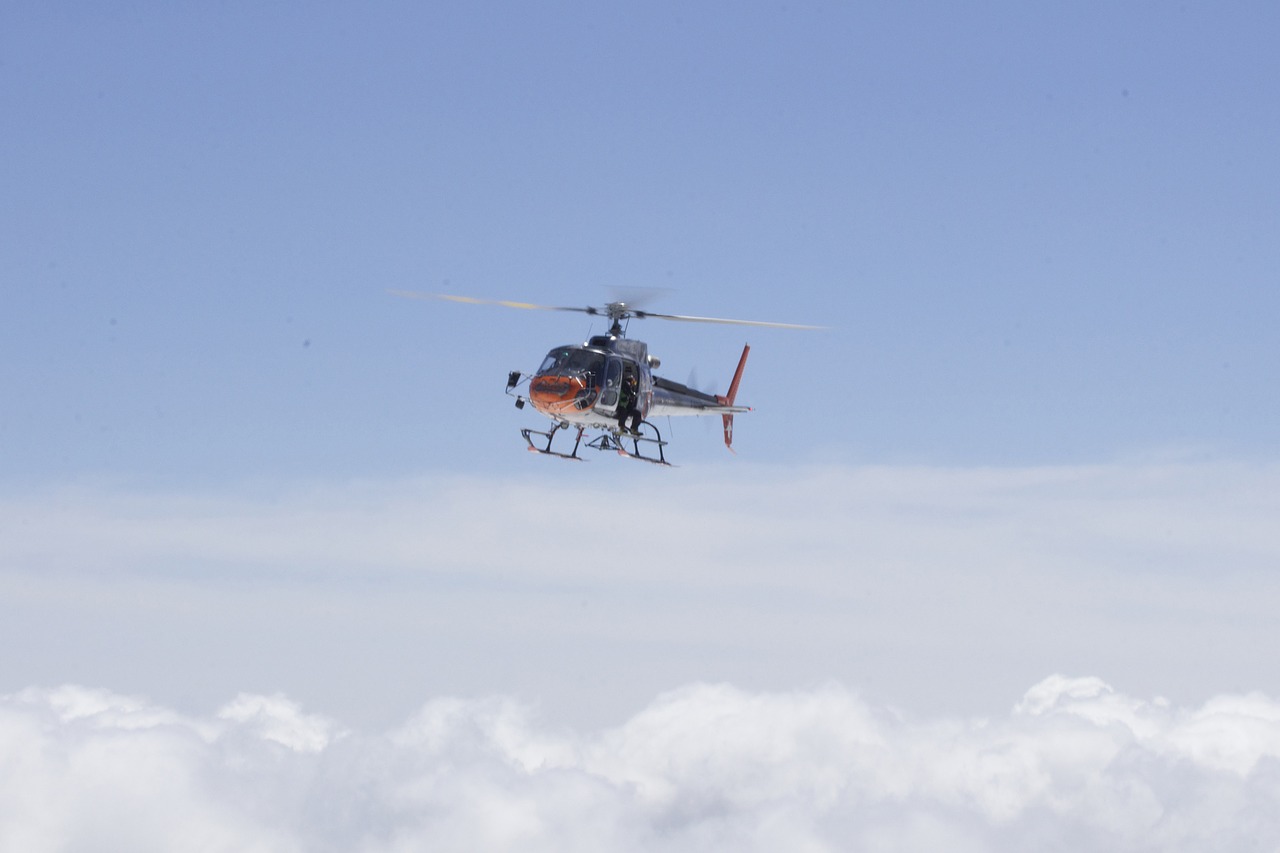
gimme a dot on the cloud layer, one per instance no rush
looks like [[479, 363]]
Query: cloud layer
[[1074, 766], [943, 590]]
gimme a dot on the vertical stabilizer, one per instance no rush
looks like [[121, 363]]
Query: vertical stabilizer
[[727, 399]]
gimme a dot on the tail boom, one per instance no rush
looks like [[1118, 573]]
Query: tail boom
[[672, 398]]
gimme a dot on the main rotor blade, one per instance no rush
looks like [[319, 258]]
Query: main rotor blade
[[471, 300], [615, 310], [688, 319]]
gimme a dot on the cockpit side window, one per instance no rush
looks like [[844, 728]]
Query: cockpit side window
[[612, 381]]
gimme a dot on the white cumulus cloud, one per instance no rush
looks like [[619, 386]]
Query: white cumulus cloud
[[1074, 765]]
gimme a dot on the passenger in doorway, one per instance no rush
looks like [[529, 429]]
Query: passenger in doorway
[[627, 404]]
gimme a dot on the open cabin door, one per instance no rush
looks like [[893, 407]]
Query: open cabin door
[[610, 391]]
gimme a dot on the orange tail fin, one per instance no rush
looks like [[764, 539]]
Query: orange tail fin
[[727, 399]]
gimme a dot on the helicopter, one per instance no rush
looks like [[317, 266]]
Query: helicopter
[[607, 384]]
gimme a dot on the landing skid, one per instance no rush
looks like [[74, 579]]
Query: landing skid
[[547, 451], [614, 440]]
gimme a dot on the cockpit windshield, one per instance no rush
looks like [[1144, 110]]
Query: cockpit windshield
[[574, 361]]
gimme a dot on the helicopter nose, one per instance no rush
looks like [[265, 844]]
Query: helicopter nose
[[554, 394]]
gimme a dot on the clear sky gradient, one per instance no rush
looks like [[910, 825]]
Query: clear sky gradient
[[995, 562]]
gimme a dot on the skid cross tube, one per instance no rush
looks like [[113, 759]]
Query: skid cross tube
[[614, 440]]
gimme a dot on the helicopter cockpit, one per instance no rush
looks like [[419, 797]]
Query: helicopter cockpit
[[572, 361], [569, 380]]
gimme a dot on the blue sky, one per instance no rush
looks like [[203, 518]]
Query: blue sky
[[251, 502], [1040, 235]]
